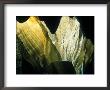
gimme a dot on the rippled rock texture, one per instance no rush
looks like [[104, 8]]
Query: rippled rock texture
[[42, 48]]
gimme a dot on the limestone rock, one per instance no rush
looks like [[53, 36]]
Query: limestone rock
[[37, 42], [72, 45], [67, 44]]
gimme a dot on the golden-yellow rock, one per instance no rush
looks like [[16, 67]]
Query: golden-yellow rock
[[35, 39]]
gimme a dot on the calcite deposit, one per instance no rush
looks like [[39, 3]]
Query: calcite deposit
[[37, 42], [71, 43], [67, 44]]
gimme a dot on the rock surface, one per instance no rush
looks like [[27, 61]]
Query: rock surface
[[67, 44], [37, 42], [71, 43]]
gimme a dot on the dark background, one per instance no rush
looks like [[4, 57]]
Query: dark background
[[87, 26]]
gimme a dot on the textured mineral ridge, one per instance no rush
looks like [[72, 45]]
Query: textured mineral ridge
[[67, 44]]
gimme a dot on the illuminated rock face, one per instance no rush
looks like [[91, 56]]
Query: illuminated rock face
[[67, 44], [72, 45], [36, 41]]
